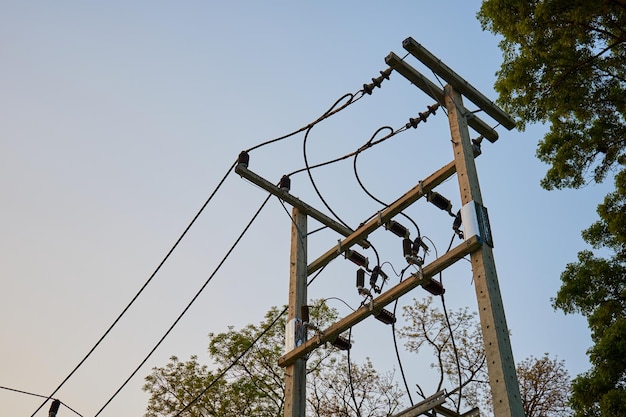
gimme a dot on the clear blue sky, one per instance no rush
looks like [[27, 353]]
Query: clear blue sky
[[118, 119]]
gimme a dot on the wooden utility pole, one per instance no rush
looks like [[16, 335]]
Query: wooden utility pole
[[295, 374], [500, 364]]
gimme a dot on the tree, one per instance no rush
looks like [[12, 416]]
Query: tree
[[565, 65], [544, 387], [248, 381], [596, 288], [455, 339]]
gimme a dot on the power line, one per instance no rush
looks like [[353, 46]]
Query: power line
[[41, 396], [195, 297], [180, 238]]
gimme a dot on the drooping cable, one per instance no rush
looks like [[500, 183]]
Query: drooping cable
[[456, 352], [41, 396], [308, 170], [351, 383], [395, 343], [351, 99], [143, 287], [195, 297]]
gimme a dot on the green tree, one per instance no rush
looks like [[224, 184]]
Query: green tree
[[565, 65], [247, 380]]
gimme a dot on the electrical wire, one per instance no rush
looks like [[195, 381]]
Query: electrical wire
[[447, 317], [229, 367], [41, 396], [395, 343], [238, 358], [352, 98], [356, 405], [195, 297], [158, 268], [308, 171]]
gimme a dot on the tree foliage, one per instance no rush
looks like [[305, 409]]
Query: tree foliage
[[455, 338], [596, 288], [565, 65], [247, 381]]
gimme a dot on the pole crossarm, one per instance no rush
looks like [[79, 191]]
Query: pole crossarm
[[436, 92], [330, 334], [423, 406], [243, 171], [458, 83], [387, 214]]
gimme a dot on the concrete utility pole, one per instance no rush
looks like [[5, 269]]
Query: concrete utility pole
[[477, 243], [500, 363], [295, 374]]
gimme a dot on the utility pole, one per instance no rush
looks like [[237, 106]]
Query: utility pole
[[295, 373], [477, 243], [500, 363]]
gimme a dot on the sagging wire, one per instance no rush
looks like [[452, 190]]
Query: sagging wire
[[195, 297], [350, 98], [143, 287], [42, 396], [413, 122], [449, 325], [356, 405]]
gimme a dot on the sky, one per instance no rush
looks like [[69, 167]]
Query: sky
[[118, 120]]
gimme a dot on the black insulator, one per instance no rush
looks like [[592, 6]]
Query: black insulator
[[341, 343], [376, 82], [457, 221], [54, 408], [434, 287], [413, 123], [433, 109], [360, 278], [304, 313], [419, 243], [285, 183], [439, 201], [244, 158], [424, 116], [374, 276], [357, 258], [397, 229], [386, 316], [407, 247]]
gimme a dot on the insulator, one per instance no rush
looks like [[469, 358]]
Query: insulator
[[357, 258], [397, 229], [407, 247], [54, 408], [424, 116], [439, 201], [243, 158], [374, 276], [419, 243], [412, 123], [433, 109], [360, 278], [434, 287], [285, 183], [304, 313], [376, 82], [341, 343], [386, 316]]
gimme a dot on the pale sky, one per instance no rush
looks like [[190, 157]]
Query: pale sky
[[117, 121]]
